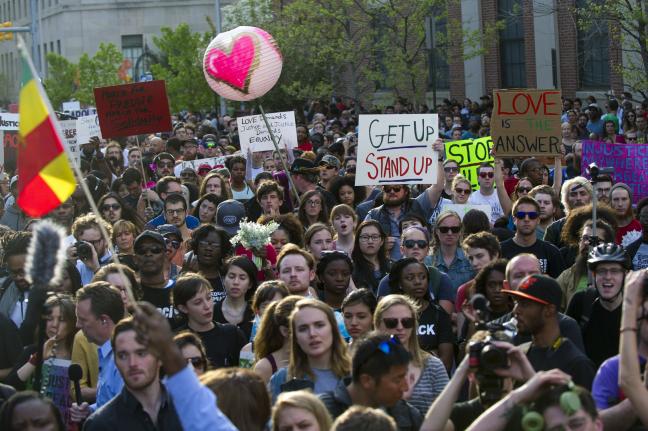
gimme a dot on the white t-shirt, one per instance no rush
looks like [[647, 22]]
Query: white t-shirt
[[477, 198]]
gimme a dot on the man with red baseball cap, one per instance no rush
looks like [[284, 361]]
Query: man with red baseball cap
[[537, 301]]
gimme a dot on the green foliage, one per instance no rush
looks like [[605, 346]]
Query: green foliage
[[63, 75], [181, 67]]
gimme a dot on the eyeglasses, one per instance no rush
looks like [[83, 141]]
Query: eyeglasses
[[392, 322], [449, 169], [313, 203], [610, 271], [146, 250], [114, 207], [524, 189], [175, 212], [165, 165], [212, 244], [522, 214], [631, 138], [446, 229], [196, 361], [174, 244], [390, 189], [411, 243], [367, 238], [463, 191], [487, 175]]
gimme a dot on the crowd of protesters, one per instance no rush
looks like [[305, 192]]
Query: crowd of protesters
[[370, 308]]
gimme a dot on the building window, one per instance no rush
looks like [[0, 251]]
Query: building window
[[132, 48], [593, 55], [438, 32], [512, 57], [58, 47]]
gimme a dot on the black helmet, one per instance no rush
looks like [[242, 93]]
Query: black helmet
[[608, 253]]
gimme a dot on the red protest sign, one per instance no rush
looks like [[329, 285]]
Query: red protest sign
[[133, 109]]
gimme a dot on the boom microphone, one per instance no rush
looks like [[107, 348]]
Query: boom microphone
[[46, 254]]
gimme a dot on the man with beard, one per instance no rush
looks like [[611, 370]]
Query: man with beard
[[537, 301], [164, 164], [150, 248], [15, 289], [603, 186], [576, 192], [525, 217], [598, 309], [157, 145], [547, 199], [143, 400], [89, 259], [175, 213], [166, 187], [296, 268]]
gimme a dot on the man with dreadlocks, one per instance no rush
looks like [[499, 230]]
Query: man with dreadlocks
[[14, 290]]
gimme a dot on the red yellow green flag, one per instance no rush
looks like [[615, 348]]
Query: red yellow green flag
[[45, 178]]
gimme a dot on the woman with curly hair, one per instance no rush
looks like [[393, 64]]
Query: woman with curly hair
[[290, 231], [344, 190]]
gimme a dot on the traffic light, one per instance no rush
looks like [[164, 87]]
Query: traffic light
[[6, 35]]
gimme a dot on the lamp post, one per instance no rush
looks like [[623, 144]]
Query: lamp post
[[219, 29]]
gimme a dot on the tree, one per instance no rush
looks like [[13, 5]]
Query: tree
[[62, 79], [181, 54], [627, 26], [99, 71]]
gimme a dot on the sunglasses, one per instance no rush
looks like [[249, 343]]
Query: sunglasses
[[487, 175], [329, 167], [113, 207], [524, 189], [390, 189], [446, 229], [152, 250], [196, 361], [165, 165], [174, 244], [463, 191], [411, 243], [449, 169], [522, 214], [392, 322]]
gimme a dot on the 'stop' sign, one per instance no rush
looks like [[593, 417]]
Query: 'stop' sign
[[397, 149], [133, 109], [526, 123]]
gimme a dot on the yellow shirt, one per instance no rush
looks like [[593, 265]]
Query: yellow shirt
[[85, 354]]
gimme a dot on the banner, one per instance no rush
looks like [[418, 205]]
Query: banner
[[9, 136], [630, 163], [397, 149], [133, 109], [86, 128], [254, 135], [526, 123], [469, 154], [56, 385], [213, 162], [462, 209], [69, 131]]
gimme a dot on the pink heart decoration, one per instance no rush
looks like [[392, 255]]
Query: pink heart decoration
[[233, 68]]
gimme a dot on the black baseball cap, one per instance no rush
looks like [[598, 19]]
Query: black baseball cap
[[150, 234], [538, 288], [301, 165]]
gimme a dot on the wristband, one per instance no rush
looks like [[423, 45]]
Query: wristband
[[33, 360]]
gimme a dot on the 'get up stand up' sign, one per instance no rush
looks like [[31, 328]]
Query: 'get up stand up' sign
[[397, 149]]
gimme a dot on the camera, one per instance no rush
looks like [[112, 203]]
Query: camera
[[595, 171], [84, 250]]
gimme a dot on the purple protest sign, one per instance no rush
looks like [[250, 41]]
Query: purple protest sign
[[630, 163]]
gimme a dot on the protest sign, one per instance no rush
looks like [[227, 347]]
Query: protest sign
[[9, 136], [526, 123], [133, 109], [462, 209], [469, 154], [70, 106], [254, 136], [397, 149], [68, 129], [86, 128], [56, 385], [213, 162], [630, 163]]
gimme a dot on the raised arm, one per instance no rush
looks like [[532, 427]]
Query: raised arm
[[435, 190], [557, 184], [502, 195], [438, 415]]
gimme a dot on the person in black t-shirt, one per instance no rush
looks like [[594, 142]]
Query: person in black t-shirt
[[223, 341], [537, 301], [598, 309], [150, 250], [211, 246], [525, 217]]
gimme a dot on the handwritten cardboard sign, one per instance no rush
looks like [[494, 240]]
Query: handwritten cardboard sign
[[69, 132], [213, 162], [87, 127], [397, 149], [9, 137], [133, 109], [469, 154], [55, 385], [630, 163], [526, 122], [462, 209], [254, 135]]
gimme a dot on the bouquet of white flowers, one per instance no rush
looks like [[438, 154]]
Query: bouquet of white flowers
[[254, 236]]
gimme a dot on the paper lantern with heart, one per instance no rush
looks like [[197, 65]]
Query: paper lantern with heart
[[242, 64]]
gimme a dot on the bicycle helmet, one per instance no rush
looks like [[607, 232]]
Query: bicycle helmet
[[608, 253]]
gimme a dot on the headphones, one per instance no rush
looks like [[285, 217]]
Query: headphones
[[569, 403]]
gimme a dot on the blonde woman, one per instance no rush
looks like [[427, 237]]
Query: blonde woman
[[318, 354], [300, 410], [398, 315]]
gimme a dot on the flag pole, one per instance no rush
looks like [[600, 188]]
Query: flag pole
[[23, 51]]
